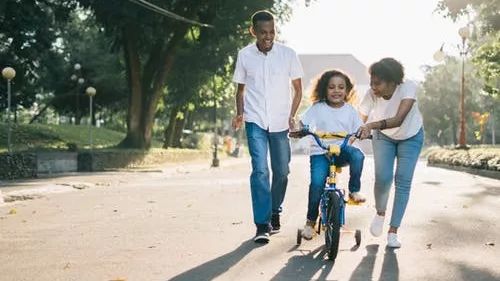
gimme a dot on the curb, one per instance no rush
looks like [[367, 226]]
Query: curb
[[478, 172]]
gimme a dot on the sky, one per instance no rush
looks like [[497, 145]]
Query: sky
[[408, 30]]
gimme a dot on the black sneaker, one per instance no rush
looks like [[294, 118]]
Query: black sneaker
[[262, 235], [275, 223]]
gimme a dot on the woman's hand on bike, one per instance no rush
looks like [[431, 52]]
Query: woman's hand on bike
[[364, 132]]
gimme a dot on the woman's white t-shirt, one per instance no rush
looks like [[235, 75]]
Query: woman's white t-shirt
[[377, 108], [322, 117]]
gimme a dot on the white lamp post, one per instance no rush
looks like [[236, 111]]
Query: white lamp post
[[464, 34], [91, 91], [8, 73], [439, 56]]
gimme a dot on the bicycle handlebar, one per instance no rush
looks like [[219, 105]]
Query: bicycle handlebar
[[305, 131]]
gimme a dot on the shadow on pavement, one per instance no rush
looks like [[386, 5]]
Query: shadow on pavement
[[304, 267], [390, 267], [477, 274], [216, 267], [364, 270]]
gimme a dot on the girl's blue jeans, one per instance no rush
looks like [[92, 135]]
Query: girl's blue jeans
[[267, 197], [320, 167], [405, 152]]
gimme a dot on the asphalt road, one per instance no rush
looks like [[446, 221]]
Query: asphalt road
[[193, 222]]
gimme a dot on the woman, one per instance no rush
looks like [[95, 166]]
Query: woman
[[397, 134]]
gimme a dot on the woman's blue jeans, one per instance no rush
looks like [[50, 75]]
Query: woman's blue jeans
[[267, 197], [385, 151], [320, 167]]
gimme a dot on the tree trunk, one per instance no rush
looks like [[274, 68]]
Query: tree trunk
[[134, 137], [147, 90], [179, 127], [169, 131]]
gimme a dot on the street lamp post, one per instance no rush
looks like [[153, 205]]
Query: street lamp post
[[464, 34], [8, 73], [91, 91], [79, 80], [215, 160], [439, 56]]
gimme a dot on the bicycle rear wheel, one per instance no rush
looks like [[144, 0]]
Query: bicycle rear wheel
[[332, 226]]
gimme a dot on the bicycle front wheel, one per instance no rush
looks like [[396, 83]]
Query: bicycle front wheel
[[332, 226]]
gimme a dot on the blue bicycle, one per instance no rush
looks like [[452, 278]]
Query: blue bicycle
[[333, 202]]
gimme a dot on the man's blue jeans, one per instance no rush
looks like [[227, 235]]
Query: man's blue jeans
[[385, 151], [320, 167], [267, 198]]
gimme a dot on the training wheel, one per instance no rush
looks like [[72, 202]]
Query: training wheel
[[357, 236], [299, 236]]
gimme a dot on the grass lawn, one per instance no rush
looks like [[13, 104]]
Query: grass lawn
[[48, 137]]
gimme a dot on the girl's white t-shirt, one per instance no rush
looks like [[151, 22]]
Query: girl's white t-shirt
[[322, 117], [377, 108]]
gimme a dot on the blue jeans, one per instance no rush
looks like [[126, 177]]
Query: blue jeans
[[320, 166], [406, 152], [267, 198]]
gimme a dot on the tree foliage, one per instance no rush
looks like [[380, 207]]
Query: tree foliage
[[28, 30], [152, 43]]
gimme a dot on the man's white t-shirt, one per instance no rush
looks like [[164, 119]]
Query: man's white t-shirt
[[322, 117], [267, 78], [378, 108]]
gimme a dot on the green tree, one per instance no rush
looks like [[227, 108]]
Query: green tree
[[151, 43], [28, 30], [439, 101]]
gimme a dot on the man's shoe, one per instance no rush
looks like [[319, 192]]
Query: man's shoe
[[275, 223], [262, 235]]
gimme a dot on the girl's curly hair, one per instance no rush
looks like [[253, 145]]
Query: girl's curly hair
[[320, 88]]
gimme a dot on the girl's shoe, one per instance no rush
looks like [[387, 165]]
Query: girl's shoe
[[357, 197], [377, 225], [392, 240], [308, 231]]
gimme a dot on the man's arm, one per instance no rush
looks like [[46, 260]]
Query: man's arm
[[238, 119], [297, 97]]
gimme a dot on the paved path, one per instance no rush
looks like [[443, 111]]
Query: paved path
[[194, 223]]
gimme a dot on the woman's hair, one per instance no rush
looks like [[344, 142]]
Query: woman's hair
[[388, 70], [320, 88], [262, 15]]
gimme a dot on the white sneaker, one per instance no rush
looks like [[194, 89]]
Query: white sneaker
[[377, 225], [308, 231], [357, 197], [392, 240]]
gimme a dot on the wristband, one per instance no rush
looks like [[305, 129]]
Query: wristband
[[383, 125]]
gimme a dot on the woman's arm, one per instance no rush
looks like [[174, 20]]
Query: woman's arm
[[393, 122]]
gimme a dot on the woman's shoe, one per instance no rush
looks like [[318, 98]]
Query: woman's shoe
[[377, 225], [392, 240]]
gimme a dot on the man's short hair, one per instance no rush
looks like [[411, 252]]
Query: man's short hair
[[262, 16]]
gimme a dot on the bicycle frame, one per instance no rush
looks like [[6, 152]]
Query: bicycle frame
[[332, 152]]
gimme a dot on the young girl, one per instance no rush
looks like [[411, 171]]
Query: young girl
[[330, 112]]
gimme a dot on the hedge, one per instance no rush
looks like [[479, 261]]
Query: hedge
[[483, 158]]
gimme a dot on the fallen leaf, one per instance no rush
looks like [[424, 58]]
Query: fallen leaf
[[465, 206], [490, 244], [239, 222], [12, 212], [429, 246], [67, 266]]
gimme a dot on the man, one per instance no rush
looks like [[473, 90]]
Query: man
[[264, 101]]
